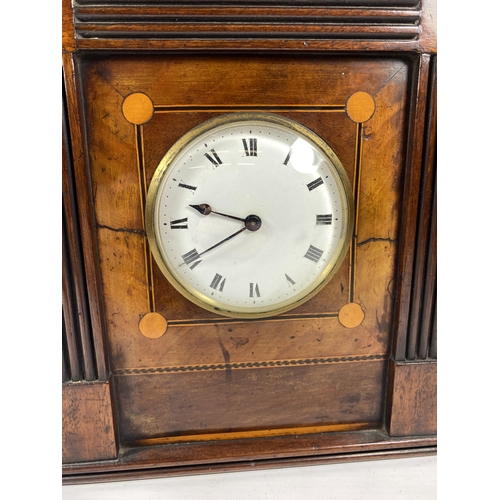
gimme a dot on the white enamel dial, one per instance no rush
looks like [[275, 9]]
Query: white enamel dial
[[249, 215]]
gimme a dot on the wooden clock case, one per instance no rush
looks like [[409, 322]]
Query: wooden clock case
[[152, 384]]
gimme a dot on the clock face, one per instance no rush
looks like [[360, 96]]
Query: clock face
[[249, 215]]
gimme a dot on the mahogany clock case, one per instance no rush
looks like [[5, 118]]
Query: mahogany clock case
[[155, 385]]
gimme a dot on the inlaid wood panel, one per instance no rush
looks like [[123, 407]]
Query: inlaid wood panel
[[240, 397], [186, 91]]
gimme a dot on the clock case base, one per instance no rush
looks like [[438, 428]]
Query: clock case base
[[91, 451], [135, 465]]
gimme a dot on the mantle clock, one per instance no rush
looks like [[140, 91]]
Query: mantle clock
[[249, 245]]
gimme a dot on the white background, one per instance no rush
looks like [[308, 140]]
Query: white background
[[405, 479], [468, 275]]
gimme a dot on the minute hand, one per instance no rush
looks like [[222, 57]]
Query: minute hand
[[223, 241], [220, 243], [252, 223], [206, 209]]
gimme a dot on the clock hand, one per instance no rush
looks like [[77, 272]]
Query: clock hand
[[206, 209], [252, 223], [217, 244], [223, 241]]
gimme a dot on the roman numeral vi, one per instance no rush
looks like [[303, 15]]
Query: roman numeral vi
[[254, 290]]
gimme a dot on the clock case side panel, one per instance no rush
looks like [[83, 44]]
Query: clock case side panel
[[84, 215], [411, 408], [78, 349], [88, 419]]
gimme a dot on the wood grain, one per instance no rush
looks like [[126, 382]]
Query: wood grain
[[409, 218], [248, 454], [219, 4], [412, 404], [250, 46], [77, 336], [399, 13], [85, 216], [213, 401], [248, 21], [197, 338], [68, 28], [416, 302], [428, 36], [425, 265], [117, 197], [153, 325], [87, 425]]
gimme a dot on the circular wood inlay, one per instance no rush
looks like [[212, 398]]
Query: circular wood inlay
[[153, 325], [360, 107], [137, 108], [351, 315]]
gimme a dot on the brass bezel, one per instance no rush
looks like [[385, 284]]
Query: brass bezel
[[198, 298]]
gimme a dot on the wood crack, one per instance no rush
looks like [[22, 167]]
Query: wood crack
[[122, 229], [372, 240], [389, 79]]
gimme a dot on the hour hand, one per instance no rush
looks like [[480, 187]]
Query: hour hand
[[206, 209]]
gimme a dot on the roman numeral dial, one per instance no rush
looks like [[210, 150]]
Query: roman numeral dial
[[248, 216]]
